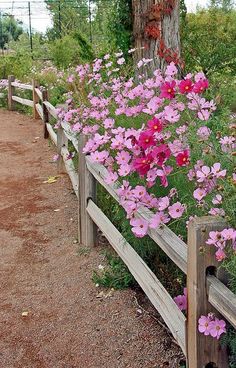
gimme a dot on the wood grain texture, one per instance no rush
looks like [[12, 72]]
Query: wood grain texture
[[201, 350], [51, 109], [62, 141], [39, 110], [39, 93], [51, 133], [22, 86], [36, 99], [87, 231], [222, 299], [23, 101], [152, 287], [11, 91], [70, 135]]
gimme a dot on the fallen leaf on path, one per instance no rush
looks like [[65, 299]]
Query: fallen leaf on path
[[25, 314], [57, 210], [50, 180]]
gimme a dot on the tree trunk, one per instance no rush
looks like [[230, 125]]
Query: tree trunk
[[156, 33]]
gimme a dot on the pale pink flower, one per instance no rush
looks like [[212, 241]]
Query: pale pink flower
[[139, 227], [123, 157], [217, 327], [217, 199], [163, 203], [111, 178], [109, 123], [203, 174], [199, 194], [204, 325], [176, 210], [124, 170], [203, 133], [216, 170], [220, 255]]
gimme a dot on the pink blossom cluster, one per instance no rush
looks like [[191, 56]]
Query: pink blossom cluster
[[141, 130], [220, 239], [211, 326]]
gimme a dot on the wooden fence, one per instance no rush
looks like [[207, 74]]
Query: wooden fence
[[206, 293]]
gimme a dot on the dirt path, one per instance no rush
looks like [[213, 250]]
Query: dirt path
[[44, 274]]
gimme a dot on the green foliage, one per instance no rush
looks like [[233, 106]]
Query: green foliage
[[208, 41], [115, 274], [10, 29], [69, 50]]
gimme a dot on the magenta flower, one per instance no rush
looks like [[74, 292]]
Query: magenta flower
[[217, 328], [155, 125], [181, 301], [146, 139], [186, 86], [182, 159], [220, 255], [168, 90], [176, 210], [139, 227]]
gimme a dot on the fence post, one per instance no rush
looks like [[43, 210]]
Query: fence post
[[35, 99], [62, 141], [45, 113], [11, 91], [202, 351], [87, 232]]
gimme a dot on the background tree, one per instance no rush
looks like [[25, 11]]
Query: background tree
[[156, 32], [10, 29]]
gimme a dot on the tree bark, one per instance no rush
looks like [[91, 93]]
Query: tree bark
[[163, 48]]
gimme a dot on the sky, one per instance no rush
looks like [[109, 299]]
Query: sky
[[40, 16]]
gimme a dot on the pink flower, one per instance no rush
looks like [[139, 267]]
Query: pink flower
[[155, 125], [171, 70], [186, 86], [124, 170], [203, 133], [168, 90], [181, 301], [161, 154], [217, 328], [220, 255], [182, 159], [121, 61], [204, 325], [55, 158], [176, 210], [123, 157], [163, 203], [139, 227], [171, 115], [157, 219], [203, 174], [217, 212], [216, 170], [201, 86], [217, 199], [109, 123], [199, 194], [203, 115], [146, 139], [111, 178]]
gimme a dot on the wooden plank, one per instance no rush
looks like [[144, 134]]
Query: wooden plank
[[22, 86], [87, 231], [201, 350], [70, 135], [222, 299], [39, 93], [23, 101], [52, 134], [11, 91], [167, 240], [35, 85], [40, 110], [151, 286], [62, 141], [70, 169], [45, 113], [51, 109]]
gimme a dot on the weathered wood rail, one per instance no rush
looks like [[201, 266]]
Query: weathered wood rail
[[206, 293]]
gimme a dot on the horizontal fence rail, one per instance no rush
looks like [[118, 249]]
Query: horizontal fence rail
[[206, 292]]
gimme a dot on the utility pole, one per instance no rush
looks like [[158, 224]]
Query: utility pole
[[90, 22], [59, 15], [30, 30], [1, 33]]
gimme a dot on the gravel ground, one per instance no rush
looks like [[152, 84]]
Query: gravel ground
[[50, 313]]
